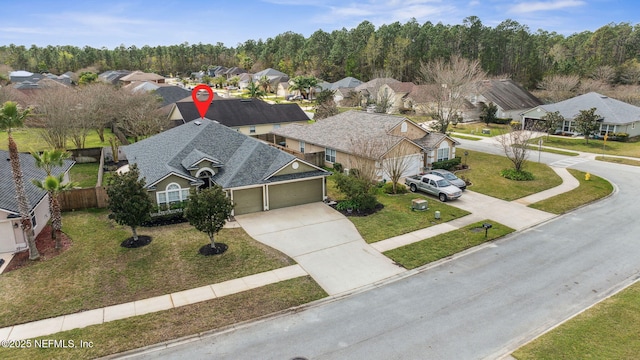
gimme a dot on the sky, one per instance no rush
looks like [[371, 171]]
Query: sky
[[135, 22]]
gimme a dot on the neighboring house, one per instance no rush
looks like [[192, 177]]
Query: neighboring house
[[256, 176], [615, 116], [142, 76], [12, 238], [510, 98], [340, 94], [248, 116], [113, 76], [395, 94], [275, 77], [170, 94], [234, 71], [244, 80], [369, 89], [348, 82], [283, 89], [21, 76], [346, 138]]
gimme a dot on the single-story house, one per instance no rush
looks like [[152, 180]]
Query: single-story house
[[252, 117], [354, 137], [256, 176], [510, 98], [142, 76], [12, 238], [615, 116]]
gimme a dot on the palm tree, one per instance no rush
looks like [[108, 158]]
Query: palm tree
[[12, 116], [265, 83], [254, 91], [53, 186]]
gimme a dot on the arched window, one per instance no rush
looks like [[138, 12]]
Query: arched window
[[205, 175], [173, 194]]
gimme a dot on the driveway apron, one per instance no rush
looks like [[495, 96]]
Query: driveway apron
[[324, 242]]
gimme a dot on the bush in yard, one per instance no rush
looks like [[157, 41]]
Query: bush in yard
[[360, 192], [337, 167], [447, 164], [513, 174], [388, 188], [208, 210]]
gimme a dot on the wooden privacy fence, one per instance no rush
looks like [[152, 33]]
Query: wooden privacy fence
[[77, 199]]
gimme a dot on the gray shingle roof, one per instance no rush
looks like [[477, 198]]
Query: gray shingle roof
[[246, 161], [242, 112], [348, 82], [344, 131], [508, 95], [8, 200], [612, 111]]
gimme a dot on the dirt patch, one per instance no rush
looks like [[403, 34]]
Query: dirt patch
[[46, 247], [209, 250]]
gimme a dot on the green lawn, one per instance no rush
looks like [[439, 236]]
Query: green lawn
[[484, 174], [630, 148], [85, 175], [29, 139], [397, 218], [609, 330], [623, 161], [588, 191], [476, 129], [441, 246], [534, 148], [97, 272], [131, 333], [472, 138]]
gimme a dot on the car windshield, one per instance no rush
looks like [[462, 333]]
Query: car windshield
[[442, 183], [449, 176]]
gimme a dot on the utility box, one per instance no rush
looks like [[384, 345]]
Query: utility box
[[419, 204]]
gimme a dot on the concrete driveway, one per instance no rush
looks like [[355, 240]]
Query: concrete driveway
[[324, 242]]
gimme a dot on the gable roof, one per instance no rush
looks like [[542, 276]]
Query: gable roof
[[8, 200], [343, 131], [270, 73], [242, 112], [422, 94], [348, 82], [508, 95], [141, 76], [112, 76], [245, 160], [401, 87], [375, 83], [612, 111]]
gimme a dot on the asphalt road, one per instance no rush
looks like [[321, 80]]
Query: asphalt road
[[482, 305]]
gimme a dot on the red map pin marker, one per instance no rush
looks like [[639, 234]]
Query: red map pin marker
[[202, 105]]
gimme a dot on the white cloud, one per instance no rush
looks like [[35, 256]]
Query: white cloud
[[523, 8]]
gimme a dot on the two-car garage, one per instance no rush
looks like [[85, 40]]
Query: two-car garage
[[277, 195]]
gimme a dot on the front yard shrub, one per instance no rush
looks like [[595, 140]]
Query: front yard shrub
[[447, 164], [400, 188], [513, 174], [337, 167], [360, 192]]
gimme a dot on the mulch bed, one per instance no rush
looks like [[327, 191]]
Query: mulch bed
[[143, 240], [378, 207], [46, 247], [208, 250]]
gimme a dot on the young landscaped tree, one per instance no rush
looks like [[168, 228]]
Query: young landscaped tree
[[488, 113], [130, 203], [53, 185], [552, 122], [208, 211], [11, 116], [587, 123], [514, 144]]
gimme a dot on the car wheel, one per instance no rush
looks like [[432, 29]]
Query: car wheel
[[442, 197], [413, 188]]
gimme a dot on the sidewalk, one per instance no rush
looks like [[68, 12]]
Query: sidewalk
[[145, 306], [514, 214]]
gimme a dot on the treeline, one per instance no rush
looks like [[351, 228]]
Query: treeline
[[394, 50]]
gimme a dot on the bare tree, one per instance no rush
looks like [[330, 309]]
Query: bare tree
[[604, 74], [54, 109], [102, 105], [457, 77], [364, 158], [140, 116], [396, 162], [559, 87], [514, 144]]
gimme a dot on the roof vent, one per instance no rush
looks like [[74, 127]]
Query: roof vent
[[198, 122]]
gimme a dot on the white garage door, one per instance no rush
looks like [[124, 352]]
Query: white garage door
[[413, 164]]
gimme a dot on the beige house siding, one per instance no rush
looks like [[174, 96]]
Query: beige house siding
[[413, 131], [289, 169], [12, 239]]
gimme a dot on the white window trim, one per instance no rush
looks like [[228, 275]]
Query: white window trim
[[445, 156], [327, 155], [182, 194], [252, 129], [302, 146]]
